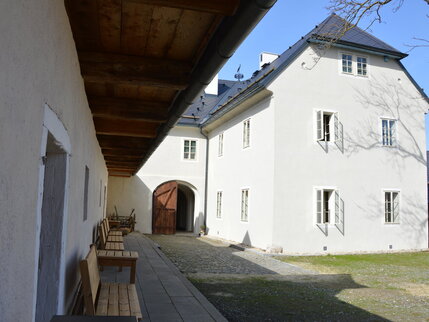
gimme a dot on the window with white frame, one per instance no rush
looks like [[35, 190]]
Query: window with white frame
[[244, 204], [361, 66], [391, 206], [328, 127], [189, 149], [220, 145], [347, 63], [246, 133], [219, 205], [329, 207], [388, 128]]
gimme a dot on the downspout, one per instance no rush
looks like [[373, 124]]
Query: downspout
[[206, 177]]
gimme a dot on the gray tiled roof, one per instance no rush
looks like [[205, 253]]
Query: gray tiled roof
[[334, 26], [230, 92]]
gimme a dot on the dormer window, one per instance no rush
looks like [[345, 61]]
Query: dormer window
[[347, 63]]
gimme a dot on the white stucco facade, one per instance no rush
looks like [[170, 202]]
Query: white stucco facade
[[42, 93], [363, 170], [165, 164], [284, 164]]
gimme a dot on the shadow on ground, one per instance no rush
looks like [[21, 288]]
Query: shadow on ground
[[245, 290], [302, 298]]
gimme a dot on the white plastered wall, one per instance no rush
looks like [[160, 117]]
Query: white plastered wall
[[239, 168], [165, 164], [363, 170], [40, 66]]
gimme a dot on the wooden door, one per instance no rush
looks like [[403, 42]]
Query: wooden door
[[164, 209]]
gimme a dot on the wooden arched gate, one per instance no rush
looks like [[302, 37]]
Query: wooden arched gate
[[164, 209]]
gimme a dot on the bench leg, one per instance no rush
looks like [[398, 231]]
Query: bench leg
[[133, 273]]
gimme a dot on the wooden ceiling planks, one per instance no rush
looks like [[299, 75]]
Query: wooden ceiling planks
[[136, 56]]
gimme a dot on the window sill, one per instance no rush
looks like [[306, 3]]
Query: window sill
[[392, 223]]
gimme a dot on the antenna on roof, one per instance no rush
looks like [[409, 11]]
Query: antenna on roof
[[238, 76]]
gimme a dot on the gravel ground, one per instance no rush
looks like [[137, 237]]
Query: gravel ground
[[194, 255]]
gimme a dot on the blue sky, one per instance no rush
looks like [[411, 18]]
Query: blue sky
[[288, 20]]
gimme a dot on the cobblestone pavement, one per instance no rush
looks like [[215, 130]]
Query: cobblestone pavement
[[194, 255]]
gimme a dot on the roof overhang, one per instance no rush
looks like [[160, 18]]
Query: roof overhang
[[144, 62]]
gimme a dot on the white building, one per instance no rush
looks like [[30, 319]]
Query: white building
[[322, 150]]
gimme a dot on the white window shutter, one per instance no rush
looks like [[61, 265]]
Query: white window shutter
[[392, 132], [338, 132], [337, 207], [339, 212], [395, 210], [319, 125], [319, 206], [336, 128]]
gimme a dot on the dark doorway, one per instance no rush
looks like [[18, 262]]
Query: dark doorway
[[51, 231], [185, 209]]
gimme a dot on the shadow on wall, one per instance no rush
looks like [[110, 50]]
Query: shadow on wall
[[128, 194], [389, 99], [413, 224], [246, 239]]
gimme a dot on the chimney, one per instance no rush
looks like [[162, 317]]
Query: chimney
[[266, 58], [213, 86]]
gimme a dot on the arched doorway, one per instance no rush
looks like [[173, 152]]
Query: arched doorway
[[185, 209], [173, 208]]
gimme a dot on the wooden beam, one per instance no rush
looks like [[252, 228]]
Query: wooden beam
[[127, 152], [121, 169], [121, 142], [121, 158], [122, 69], [220, 7], [129, 109], [139, 63], [125, 128], [122, 165]]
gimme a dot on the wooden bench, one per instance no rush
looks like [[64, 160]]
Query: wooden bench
[[108, 299], [119, 258], [108, 245], [111, 236], [109, 230]]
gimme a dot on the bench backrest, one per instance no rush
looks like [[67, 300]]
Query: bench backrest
[[90, 279], [106, 226], [102, 235], [107, 223]]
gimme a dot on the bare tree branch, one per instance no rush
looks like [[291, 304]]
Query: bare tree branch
[[353, 11]]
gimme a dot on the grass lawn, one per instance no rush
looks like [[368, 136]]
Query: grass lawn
[[372, 287]]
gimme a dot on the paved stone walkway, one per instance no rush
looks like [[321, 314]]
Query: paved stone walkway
[[194, 255], [164, 293]]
